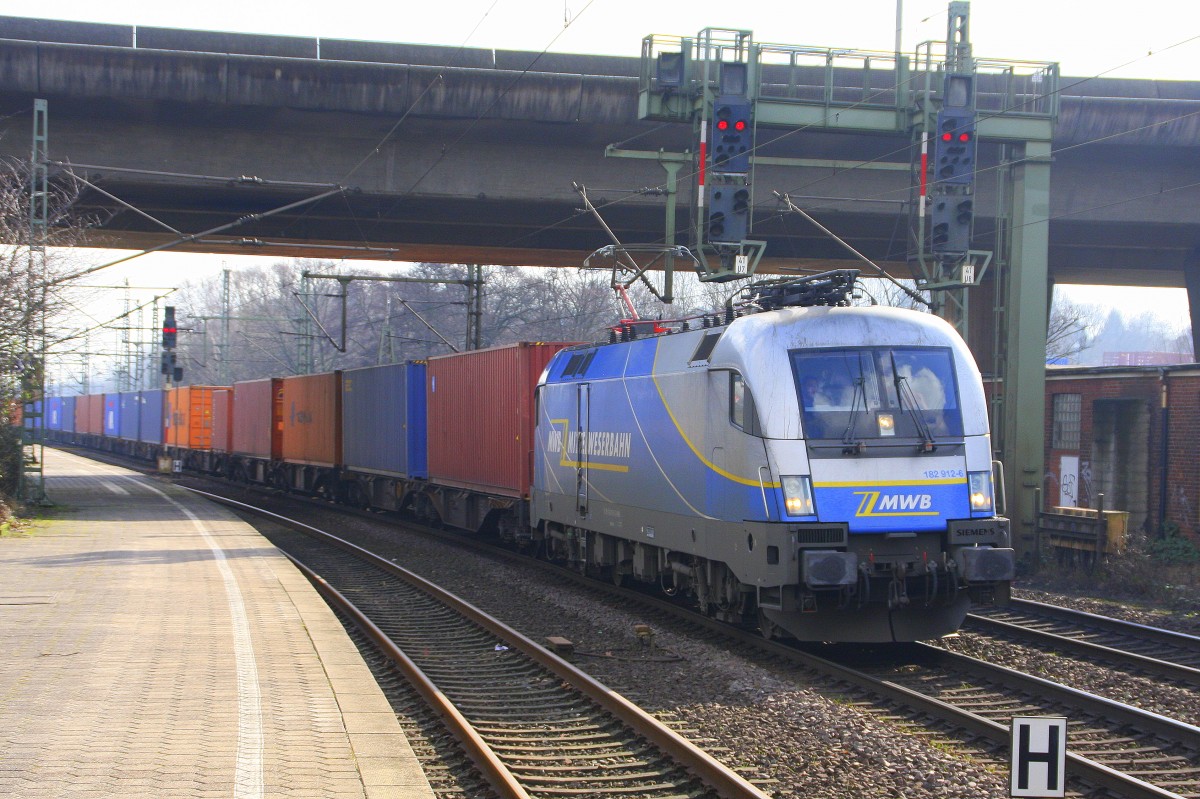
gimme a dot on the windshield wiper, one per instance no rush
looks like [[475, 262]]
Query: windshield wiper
[[855, 446], [909, 402]]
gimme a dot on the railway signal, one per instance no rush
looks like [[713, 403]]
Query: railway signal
[[732, 136], [728, 212], [952, 209], [954, 147], [170, 330], [726, 193], [950, 230]]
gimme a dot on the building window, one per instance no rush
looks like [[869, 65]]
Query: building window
[[1066, 421]]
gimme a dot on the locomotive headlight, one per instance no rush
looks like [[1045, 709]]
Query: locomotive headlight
[[980, 486], [887, 424], [797, 495]]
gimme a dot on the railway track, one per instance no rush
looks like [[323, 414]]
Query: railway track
[[1113, 748], [1123, 749], [1116, 749], [1159, 653], [533, 724]]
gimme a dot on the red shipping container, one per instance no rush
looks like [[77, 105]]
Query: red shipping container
[[257, 418], [187, 417], [481, 416], [89, 414], [312, 419], [222, 416]]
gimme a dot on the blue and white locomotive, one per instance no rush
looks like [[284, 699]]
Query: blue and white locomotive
[[824, 470]]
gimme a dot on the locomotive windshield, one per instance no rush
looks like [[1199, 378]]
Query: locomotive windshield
[[877, 392]]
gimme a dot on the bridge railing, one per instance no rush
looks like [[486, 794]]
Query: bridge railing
[[829, 77], [1003, 87], [675, 69]]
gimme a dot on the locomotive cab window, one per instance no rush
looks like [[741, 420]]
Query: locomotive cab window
[[741, 406], [706, 346], [877, 392]]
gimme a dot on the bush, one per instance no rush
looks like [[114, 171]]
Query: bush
[[1163, 572], [10, 461], [1174, 549]]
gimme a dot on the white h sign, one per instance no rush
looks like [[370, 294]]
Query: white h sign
[[1039, 756]]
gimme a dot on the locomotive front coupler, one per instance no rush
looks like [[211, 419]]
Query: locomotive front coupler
[[898, 588]]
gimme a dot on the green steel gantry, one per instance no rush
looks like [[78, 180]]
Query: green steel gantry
[[845, 91]]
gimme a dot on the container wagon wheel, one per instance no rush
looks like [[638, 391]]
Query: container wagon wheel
[[357, 497]]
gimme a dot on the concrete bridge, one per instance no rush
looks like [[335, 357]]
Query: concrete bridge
[[470, 155]]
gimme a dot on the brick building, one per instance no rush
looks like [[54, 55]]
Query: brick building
[[1130, 434]]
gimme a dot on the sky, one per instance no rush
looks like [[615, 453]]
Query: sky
[[1113, 39]]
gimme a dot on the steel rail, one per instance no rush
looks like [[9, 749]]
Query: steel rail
[[1107, 623], [497, 774], [1164, 727], [1156, 666]]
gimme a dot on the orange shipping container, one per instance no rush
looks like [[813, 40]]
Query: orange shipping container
[[188, 417], [312, 419], [480, 407]]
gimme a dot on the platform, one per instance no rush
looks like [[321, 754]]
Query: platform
[[153, 644]]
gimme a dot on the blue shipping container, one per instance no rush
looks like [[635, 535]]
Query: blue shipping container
[[150, 416], [383, 420], [30, 420], [129, 416], [68, 415], [112, 415], [54, 407]]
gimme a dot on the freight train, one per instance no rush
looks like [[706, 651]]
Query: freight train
[[818, 469]]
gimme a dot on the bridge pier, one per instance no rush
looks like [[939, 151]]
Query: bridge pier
[[1191, 279]]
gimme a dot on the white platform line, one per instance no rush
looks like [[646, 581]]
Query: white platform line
[[248, 775]]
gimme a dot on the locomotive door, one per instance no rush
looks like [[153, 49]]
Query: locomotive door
[[582, 425]]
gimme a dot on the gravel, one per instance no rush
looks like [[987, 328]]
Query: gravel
[[776, 725]]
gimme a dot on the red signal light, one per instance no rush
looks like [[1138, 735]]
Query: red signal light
[[964, 137], [722, 124], [170, 330], [947, 137], [740, 125]]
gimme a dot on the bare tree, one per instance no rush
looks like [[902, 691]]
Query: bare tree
[[1071, 329], [34, 278]]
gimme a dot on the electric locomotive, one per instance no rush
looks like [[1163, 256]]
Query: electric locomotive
[[819, 469]]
